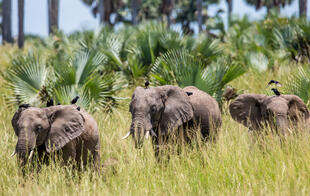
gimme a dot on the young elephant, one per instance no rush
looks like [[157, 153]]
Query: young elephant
[[47, 130], [255, 111], [160, 111]]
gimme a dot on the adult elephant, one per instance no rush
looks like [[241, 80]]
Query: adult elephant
[[63, 129], [161, 111], [279, 112]]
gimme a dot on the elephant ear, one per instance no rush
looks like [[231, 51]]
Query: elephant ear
[[178, 109], [17, 116], [66, 124], [296, 108], [246, 109]]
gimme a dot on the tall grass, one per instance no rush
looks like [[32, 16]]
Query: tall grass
[[237, 164]]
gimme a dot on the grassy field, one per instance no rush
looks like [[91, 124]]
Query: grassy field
[[238, 164]]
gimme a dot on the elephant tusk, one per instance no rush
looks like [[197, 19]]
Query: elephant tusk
[[31, 153], [14, 153], [153, 134], [147, 134], [127, 135]]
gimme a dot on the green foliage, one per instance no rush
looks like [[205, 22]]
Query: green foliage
[[299, 84], [28, 78], [178, 66], [34, 83]]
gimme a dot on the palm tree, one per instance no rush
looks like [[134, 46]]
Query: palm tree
[[53, 12], [101, 11], [303, 8], [20, 23], [135, 10], [299, 84], [229, 5], [181, 67], [7, 21], [105, 8], [269, 4], [166, 8], [199, 16]]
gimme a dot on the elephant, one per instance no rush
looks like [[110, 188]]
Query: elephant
[[280, 112], [163, 110], [63, 130]]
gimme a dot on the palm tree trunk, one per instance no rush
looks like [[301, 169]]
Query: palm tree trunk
[[107, 11], [7, 21], [199, 17], [134, 11], [229, 5], [21, 23], [168, 20], [53, 7], [303, 8], [101, 11]]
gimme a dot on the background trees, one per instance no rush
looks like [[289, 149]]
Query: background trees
[[7, 21], [53, 15], [21, 6]]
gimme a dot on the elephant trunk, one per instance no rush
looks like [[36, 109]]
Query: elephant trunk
[[24, 150], [139, 128], [282, 124]]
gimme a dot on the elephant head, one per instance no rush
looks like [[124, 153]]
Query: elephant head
[[255, 111], [157, 111], [53, 127]]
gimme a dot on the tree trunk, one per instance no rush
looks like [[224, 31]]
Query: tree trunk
[[53, 7], [107, 11], [101, 11], [168, 20], [21, 23], [303, 8], [7, 21], [134, 11], [229, 5], [199, 16]]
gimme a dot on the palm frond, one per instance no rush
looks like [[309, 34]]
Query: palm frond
[[27, 77], [299, 84], [178, 66]]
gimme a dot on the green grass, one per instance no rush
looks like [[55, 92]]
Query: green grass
[[238, 164]]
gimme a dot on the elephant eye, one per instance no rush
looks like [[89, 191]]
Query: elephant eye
[[39, 128], [153, 109]]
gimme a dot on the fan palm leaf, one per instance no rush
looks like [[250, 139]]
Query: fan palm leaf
[[178, 66], [27, 77], [299, 84]]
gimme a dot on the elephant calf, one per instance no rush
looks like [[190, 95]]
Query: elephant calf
[[255, 111], [47, 130], [160, 111]]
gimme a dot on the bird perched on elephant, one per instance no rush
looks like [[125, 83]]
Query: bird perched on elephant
[[279, 111], [56, 130], [163, 110]]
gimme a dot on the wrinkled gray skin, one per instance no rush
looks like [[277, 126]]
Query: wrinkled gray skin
[[279, 112], [166, 109], [47, 130]]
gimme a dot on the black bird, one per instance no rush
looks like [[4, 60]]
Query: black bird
[[274, 82], [26, 105], [189, 93], [50, 103], [75, 100], [276, 91], [146, 84]]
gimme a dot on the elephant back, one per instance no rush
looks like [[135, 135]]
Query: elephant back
[[206, 109]]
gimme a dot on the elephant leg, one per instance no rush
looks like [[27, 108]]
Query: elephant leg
[[96, 157], [160, 148], [69, 153]]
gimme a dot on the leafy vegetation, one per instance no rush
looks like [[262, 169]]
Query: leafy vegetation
[[105, 66]]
